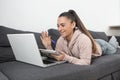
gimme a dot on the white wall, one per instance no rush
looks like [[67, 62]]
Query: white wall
[[39, 15]]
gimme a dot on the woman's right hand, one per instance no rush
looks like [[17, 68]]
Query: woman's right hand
[[59, 56], [46, 40]]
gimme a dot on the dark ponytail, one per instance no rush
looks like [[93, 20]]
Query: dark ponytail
[[71, 14]]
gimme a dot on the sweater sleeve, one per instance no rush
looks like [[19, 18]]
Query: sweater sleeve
[[84, 52]]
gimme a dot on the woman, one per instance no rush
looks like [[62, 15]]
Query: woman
[[75, 44]]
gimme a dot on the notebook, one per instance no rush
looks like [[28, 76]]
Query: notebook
[[25, 49]]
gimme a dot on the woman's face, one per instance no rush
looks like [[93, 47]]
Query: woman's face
[[65, 27]]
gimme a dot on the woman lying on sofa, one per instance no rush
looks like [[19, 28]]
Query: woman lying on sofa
[[75, 44]]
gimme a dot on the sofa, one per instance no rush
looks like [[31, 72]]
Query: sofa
[[105, 67]]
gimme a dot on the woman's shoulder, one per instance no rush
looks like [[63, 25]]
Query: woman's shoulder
[[80, 35], [83, 37]]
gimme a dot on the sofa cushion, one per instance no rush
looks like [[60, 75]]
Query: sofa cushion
[[113, 41], [3, 35], [5, 30], [3, 77], [54, 33], [6, 54], [99, 35]]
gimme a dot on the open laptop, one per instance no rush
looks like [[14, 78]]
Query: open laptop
[[25, 49]]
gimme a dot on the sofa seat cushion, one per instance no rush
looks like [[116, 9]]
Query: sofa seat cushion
[[100, 67], [3, 77], [21, 71], [106, 65], [116, 75]]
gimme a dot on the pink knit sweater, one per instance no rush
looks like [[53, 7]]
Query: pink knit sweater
[[79, 49]]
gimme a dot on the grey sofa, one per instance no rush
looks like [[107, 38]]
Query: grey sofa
[[106, 67]]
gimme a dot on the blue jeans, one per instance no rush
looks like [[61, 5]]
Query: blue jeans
[[106, 47]]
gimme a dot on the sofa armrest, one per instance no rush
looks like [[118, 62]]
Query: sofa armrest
[[117, 37]]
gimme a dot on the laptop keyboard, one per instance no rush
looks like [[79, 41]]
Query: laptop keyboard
[[49, 60]]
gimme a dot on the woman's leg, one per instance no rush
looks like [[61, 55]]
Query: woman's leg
[[106, 47]]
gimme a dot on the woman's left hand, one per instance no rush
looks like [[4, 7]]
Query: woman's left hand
[[59, 56]]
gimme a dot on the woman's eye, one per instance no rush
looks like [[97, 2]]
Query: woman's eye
[[62, 25]]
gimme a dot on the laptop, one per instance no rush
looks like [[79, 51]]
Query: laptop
[[25, 49]]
